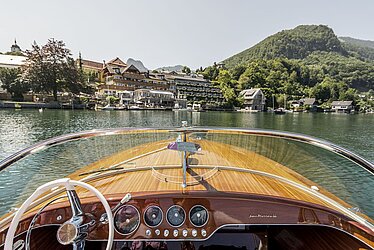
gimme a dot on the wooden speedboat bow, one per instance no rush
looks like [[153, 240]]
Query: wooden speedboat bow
[[188, 188]]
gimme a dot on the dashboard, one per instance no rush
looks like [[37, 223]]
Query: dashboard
[[198, 215], [192, 216]]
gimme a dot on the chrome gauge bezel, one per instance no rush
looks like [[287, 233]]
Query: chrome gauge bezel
[[162, 216], [114, 217], [185, 215], [189, 215]]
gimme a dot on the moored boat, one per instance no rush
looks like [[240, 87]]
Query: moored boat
[[190, 188]]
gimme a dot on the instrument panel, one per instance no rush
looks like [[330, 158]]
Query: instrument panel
[[127, 219], [190, 216], [198, 217]]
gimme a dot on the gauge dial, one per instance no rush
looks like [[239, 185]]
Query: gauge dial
[[199, 216], [153, 216], [176, 215], [126, 219]]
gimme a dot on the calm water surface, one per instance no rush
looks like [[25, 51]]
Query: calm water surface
[[21, 128]]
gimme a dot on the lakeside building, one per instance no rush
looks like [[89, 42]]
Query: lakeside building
[[11, 62], [254, 99], [126, 98], [154, 98], [120, 77], [310, 104], [342, 106], [92, 68], [194, 88], [15, 48]]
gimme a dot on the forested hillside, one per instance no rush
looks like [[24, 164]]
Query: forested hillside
[[307, 61], [297, 43]]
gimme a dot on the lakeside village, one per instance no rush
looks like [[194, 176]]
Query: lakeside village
[[118, 85]]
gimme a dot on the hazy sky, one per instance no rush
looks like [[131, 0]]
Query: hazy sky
[[168, 32]]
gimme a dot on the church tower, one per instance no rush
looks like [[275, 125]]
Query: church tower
[[15, 47]]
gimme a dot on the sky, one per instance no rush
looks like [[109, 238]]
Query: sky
[[170, 32]]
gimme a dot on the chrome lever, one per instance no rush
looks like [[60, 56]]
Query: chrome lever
[[125, 199]]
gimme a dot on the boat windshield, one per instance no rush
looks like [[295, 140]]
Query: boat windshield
[[306, 161]]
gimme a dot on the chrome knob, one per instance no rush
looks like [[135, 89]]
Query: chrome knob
[[203, 232], [175, 233], [194, 232], [166, 233], [185, 233]]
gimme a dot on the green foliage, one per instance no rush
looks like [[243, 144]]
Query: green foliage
[[210, 73], [362, 53], [308, 61], [112, 99], [329, 90], [227, 86], [356, 73], [296, 43], [50, 68], [186, 70], [358, 42], [10, 80]]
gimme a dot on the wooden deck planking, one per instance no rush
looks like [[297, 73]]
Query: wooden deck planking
[[212, 154]]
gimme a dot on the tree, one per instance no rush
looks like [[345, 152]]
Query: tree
[[50, 68], [186, 70], [226, 86], [10, 80], [210, 73]]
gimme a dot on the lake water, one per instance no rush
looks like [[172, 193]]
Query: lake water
[[21, 128]]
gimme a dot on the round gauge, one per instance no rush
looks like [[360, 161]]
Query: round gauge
[[176, 215], [153, 216], [126, 219], [199, 216]]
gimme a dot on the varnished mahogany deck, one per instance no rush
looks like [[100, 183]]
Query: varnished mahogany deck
[[213, 154]]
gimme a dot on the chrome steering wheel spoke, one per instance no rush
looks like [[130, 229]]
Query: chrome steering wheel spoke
[[75, 204], [74, 231]]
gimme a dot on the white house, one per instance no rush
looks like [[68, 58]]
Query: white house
[[154, 98], [342, 106], [254, 99], [9, 61]]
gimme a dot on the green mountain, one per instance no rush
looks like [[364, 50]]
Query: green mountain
[[296, 43], [307, 61], [357, 42], [317, 47], [363, 49]]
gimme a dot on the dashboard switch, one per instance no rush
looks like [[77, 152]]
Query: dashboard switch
[[175, 233]]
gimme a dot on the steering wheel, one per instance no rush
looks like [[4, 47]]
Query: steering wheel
[[73, 231]]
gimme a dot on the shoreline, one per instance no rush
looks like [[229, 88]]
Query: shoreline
[[69, 106]]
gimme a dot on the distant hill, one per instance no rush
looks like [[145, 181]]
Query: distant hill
[[309, 60], [363, 49], [358, 42], [138, 64], [176, 68], [296, 43]]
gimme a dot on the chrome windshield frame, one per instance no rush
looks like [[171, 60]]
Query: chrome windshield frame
[[367, 165]]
